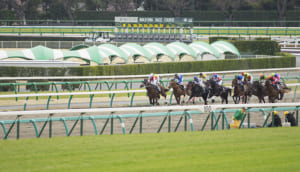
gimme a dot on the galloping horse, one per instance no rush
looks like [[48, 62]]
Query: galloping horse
[[271, 91], [283, 89], [197, 91], [222, 91], [153, 93], [259, 91], [239, 92], [177, 90]]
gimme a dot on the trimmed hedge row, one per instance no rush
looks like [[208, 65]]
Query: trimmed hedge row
[[260, 46], [136, 69]]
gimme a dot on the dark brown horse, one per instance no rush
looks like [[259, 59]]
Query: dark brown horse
[[177, 90], [222, 91], [259, 91], [271, 91], [152, 92], [283, 89], [239, 92], [197, 91]]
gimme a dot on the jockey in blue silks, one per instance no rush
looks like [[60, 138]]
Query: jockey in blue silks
[[179, 79]]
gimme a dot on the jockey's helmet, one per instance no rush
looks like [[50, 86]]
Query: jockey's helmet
[[285, 112], [236, 75], [261, 74], [151, 75], [195, 77], [276, 75], [201, 74], [273, 74], [248, 74], [240, 77], [242, 73], [275, 112], [215, 75], [176, 74]]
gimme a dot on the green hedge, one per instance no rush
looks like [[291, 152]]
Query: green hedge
[[260, 46], [172, 67]]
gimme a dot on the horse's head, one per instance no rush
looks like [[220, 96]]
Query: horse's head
[[144, 83], [190, 85], [172, 84]]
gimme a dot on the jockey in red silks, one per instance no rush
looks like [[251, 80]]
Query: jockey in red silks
[[154, 80]]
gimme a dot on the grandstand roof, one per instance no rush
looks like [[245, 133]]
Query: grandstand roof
[[107, 53]]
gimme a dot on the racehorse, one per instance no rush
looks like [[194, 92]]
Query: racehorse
[[178, 91], [222, 91], [153, 93], [283, 89], [259, 91], [239, 92], [197, 91], [271, 91]]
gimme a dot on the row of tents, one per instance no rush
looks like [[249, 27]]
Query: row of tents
[[128, 52]]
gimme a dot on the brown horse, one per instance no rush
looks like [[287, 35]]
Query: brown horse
[[283, 89], [177, 90], [153, 93], [240, 92], [271, 91]]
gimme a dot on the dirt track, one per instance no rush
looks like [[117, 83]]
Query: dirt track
[[150, 124]]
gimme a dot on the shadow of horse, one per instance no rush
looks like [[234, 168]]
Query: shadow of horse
[[177, 90], [221, 91], [197, 91]]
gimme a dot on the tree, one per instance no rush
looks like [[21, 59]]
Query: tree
[[281, 9], [228, 7], [19, 6], [176, 6], [123, 6]]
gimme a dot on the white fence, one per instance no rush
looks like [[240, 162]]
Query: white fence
[[202, 108]]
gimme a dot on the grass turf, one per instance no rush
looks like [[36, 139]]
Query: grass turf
[[265, 149]]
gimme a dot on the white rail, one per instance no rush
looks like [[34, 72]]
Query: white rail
[[143, 76], [202, 108], [71, 93]]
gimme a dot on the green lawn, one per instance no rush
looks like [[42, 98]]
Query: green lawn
[[263, 149]]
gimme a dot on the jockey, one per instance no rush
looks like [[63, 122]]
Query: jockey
[[248, 77], [262, 78], [202, 79], [179, 78], [277, 77], [197, 80], [154, 80], [217, 79], [240, 79]]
